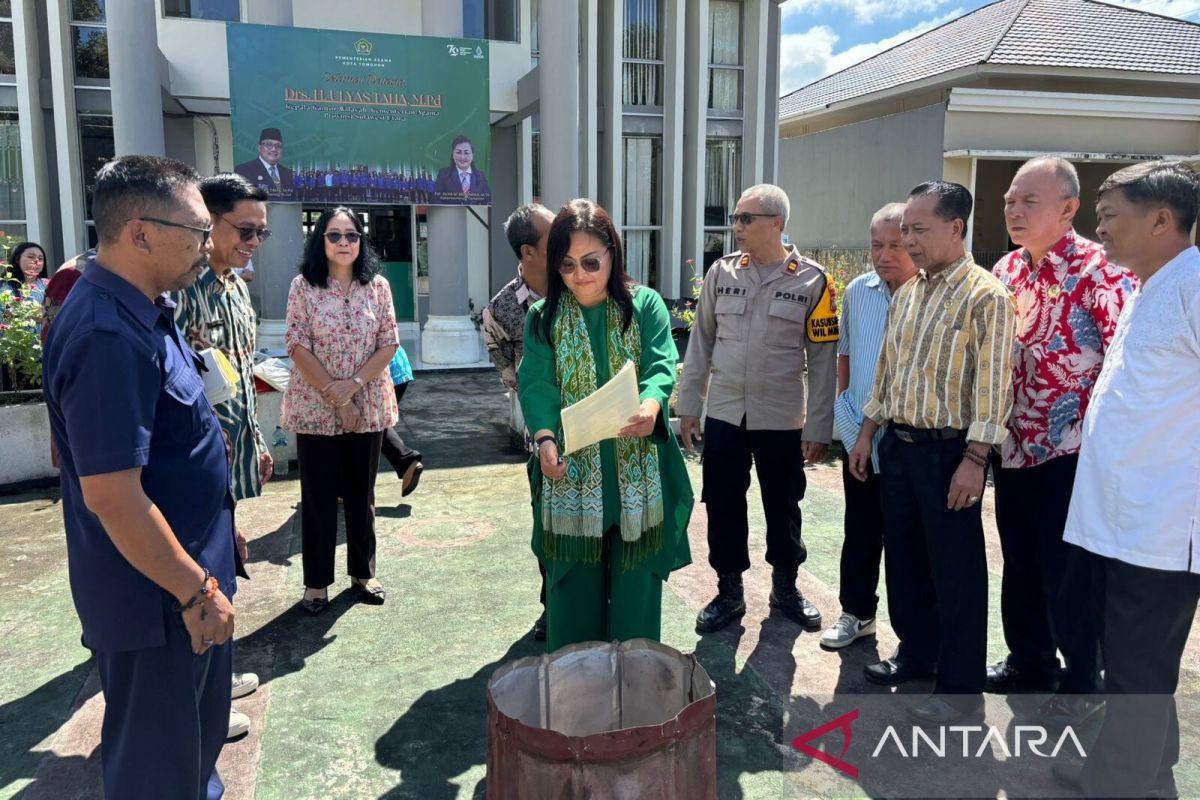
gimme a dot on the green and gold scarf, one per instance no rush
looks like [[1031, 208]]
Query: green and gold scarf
[[573, 508]]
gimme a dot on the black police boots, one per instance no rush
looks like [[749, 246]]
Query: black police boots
[[787, 599], [728, 605]]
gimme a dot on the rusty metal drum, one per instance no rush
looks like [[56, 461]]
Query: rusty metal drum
[[633, 720]]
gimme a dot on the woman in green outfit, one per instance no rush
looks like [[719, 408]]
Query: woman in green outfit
[[610, 520]]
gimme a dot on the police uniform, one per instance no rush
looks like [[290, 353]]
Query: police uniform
[[124, 392], [756, 333]]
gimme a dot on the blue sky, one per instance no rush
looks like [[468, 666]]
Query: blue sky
[[823, 36]]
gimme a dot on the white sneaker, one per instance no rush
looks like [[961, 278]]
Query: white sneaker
[[239, 725], [847, 630], [244, 683]]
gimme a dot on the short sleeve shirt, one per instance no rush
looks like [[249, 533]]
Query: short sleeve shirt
[[124, 391]]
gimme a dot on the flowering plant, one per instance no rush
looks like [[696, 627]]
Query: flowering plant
[[687, 315], [20, 344]]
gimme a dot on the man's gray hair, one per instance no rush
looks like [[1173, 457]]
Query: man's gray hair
[[519, 227], [774, 200], [1063, 170], [892, 212]]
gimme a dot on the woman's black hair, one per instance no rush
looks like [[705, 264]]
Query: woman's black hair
[[313, 265], [586, 217], [13, 273]]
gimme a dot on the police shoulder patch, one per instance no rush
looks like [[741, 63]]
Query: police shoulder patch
[[823, 321]]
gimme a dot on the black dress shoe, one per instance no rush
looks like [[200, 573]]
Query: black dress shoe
[[315, 605], [788, 599], [940, 709], [1004, 678], [539, 628], [371, 595], [728, 605], [895, 671]]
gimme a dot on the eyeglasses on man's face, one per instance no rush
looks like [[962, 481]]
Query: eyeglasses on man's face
[[246, 234], [589, 263], [205, 233], [746, 218], [269, 144], [333, 237]]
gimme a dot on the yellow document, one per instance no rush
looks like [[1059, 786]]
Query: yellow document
[[604, 413]]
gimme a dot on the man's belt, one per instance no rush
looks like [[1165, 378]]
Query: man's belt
[[911, 435]]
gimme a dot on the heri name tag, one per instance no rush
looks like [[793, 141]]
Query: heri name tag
[[823, 322]]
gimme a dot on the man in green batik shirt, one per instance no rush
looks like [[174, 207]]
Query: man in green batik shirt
[[215, 312]]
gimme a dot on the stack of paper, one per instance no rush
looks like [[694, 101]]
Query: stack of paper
[[602, 414]]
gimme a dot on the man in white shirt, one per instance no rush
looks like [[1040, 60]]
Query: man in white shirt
[[1135, 501]]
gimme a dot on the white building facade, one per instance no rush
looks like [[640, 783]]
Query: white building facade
[[661, 110]]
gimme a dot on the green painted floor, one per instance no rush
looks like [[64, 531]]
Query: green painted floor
[[388, 702]]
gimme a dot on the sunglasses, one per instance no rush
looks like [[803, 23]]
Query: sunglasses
[[246, 234], [589, 264], [205, 233], [746, 218], [333, 237]]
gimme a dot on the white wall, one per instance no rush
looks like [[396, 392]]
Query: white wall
[[199, 62], [384, 16], [837, 179], [1070, 134]]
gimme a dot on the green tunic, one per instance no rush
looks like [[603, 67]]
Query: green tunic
[[541, 404]]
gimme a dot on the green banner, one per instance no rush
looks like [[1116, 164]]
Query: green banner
[[340, 117]]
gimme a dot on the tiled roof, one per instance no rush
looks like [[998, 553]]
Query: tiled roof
[[1040, 33]]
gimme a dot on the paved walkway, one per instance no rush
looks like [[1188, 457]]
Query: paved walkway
[[388, 702]]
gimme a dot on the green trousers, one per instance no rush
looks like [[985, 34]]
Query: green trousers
[[603, 602]]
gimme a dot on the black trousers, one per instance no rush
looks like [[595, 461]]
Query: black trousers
[[936, 565], [1148, 615], [332, 467], [1050, 594], [862, 545], [728, 450], [397, 453]]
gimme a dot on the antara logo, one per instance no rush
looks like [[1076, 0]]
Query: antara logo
[[1027, 739]]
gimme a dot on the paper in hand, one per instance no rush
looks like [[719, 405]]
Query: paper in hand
[[604, 413]]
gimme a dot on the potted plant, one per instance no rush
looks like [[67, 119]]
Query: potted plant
[[20, 344]]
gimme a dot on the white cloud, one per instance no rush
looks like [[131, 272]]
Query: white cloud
[[804, 57], [868, 11]]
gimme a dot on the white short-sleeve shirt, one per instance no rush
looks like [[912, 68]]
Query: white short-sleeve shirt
[[1137, 488]]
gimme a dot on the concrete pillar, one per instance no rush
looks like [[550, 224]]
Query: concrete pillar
[[757, 105], [525, 161], [66, 127], [133, 66], [589, 108], [505, 180], [611, 178], [270, 12], [558, 34], [674, 165], [34, 172], [274, 267], [771, 142], [695, 122], [449, 337]]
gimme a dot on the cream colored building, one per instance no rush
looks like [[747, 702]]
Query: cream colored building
[[1099, 84]]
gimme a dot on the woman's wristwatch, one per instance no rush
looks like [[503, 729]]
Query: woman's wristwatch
[[538, 442]]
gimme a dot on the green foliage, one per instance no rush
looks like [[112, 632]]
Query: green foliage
[[687, 315], [20, 344]]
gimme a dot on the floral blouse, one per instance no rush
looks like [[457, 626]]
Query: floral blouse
[[342, 328]]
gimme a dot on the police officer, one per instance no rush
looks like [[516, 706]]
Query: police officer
[[145, 487], [766, 316]]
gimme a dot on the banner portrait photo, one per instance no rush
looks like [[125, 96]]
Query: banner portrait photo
[[342, 117]]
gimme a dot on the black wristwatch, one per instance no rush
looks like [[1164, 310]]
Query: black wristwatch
[[537, 443]]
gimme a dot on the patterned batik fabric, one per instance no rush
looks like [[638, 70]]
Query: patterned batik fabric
[[1066, 306], [574, 506], [216, 312]]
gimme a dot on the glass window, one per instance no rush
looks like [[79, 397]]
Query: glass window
[[96, 148], [725, 55], [12, 183], [537, 165], [6, 8], [534, 47], [224, 10], [642, 207], [90, 46], [8, 60], [473, 19], [642, 49], [88, 10], [722, 187], [503, 18]]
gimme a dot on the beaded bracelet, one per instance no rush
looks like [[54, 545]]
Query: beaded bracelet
[[974, 457], [207, 589]]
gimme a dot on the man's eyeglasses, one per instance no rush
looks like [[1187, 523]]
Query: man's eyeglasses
[[333, 237], [589, 264], [746, 218], [246, 234], [205, 233], [270, 145]]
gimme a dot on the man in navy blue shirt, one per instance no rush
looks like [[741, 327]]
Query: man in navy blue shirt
[[146, 487]]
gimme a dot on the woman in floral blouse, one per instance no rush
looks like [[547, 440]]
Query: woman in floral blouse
[[341, 333]]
